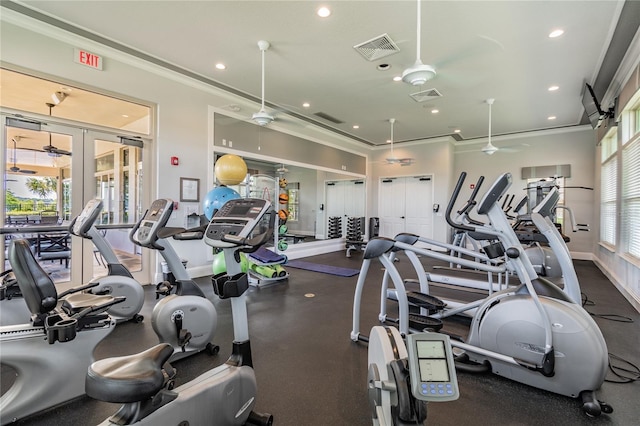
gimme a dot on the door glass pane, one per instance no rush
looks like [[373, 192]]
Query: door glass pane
[[38, 177], [117, 184]]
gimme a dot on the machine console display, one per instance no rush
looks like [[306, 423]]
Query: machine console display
[[87, 217], [235, 221], [154, 219], [433, 373]]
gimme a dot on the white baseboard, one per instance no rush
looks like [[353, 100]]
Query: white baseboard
[[297, 251], [635, 302], [194, 272], [580, 255]]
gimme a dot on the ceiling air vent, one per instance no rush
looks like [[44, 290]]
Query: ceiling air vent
[[425, 95], [328, 117], [377, 47]]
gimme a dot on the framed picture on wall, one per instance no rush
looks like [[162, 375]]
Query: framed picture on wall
[[189, 190]]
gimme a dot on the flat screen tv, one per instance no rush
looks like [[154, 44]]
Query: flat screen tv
[[592, 107]]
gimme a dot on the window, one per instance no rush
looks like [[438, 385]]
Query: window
[[608, 191], [631, 197], [630, 182]]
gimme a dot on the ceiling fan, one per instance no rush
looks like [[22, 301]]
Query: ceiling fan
[[392, 159], [262, 117], [418, 73], [15, 168], [53, 150], [489, 149]]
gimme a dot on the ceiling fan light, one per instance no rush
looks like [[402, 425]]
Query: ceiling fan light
[[262, 118], [418, 74], [489, 149], [58, 97]]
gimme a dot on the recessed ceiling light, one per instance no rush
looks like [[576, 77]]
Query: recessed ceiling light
[[220, 66], [551, 117], [435, 111], [125, 115], [383, 67], [556, 33], [553, 88], [355, 126], [456, 131], [397, 78], [323, 12], [388, 140], [306, 104]]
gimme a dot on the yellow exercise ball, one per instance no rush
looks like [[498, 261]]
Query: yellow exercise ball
[[230, 169]]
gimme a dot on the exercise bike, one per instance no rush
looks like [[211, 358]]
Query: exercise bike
[[533, 333], [118, 282], [184, 318], [49, 373], [224, 395]]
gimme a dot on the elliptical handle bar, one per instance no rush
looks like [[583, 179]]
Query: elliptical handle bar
[[452, 201], [471, 202]]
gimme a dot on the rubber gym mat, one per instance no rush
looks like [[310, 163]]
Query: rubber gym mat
[[267, 256], [325, 269]]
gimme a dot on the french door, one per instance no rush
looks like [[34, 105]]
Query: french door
[[51, 171], [406, 205]]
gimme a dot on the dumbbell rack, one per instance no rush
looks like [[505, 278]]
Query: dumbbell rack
[[355, 229], [335, 227], [355, 234]]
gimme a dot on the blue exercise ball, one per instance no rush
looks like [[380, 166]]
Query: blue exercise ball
[[216, 199]]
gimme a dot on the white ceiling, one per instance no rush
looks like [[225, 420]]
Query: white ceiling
[[480, 49]]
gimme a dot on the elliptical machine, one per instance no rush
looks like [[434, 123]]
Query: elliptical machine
[[185, 318], [532, 333], [224, 395]]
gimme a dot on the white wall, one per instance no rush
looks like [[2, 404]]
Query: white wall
[[575, 146], [434, 158], [183, 106]]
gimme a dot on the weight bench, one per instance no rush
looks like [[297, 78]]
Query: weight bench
[[355, 245]]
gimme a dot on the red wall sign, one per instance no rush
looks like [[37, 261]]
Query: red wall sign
[[88, 59]]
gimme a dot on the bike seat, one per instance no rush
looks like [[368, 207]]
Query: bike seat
[[128, 378], [75, 303]]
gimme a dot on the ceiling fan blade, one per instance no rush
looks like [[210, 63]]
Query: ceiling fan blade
[[55, 150], [27, 172], [479, 46]]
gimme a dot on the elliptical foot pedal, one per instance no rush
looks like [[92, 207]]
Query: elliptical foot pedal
[[431, 303], [422, 323]]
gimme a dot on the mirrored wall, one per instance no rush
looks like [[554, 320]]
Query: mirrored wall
[[311, 197]]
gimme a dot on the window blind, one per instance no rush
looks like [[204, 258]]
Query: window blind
[[631, 197], [608, 179]]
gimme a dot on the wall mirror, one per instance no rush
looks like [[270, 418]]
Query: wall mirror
[[309, 198]]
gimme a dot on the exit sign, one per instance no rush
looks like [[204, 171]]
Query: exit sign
[[88, 59]]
